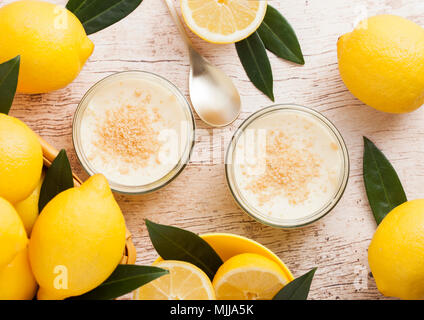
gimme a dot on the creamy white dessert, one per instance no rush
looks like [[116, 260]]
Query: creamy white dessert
[[287, 165], [134, 130]]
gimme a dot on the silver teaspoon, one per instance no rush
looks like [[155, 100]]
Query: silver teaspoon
[[212, 93]]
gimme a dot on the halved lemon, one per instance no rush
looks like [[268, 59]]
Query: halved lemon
[[223, 21], [185, 281], [249, 276]]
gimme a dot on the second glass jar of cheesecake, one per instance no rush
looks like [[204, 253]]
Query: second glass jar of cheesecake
[[287, 166]]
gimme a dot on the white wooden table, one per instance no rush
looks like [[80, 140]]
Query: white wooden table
[[199, 199]]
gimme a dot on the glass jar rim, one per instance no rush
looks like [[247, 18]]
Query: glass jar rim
[[286, 223], [185, 156]]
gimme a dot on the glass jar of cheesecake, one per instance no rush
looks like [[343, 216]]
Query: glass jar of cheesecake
[[136, 128], [287, 166]]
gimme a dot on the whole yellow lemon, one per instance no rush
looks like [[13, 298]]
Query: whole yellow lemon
[[382, 63], [21, 159], [51, 41], [77, 241], [16, 279], [28, 208], [396, 253], [13, 237]]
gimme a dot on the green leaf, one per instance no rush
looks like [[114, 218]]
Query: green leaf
[[96, 15], [58, 178], [298, 289], [254, 59], [279, 37], [382, 184], [9, 72], [123, 280], [74, 5], [172, 243]]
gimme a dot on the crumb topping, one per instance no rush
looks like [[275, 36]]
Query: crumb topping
[[127, 134], [288, 169]]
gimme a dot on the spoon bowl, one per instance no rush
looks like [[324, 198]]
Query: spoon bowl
[[212, 93]]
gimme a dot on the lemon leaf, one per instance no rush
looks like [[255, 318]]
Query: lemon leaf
[[74, 5], [58, 178], [9, 72], [382, 184], [279, 37], [172, 243], [123, 280], [298, 289], [96, 15], [254, 59]]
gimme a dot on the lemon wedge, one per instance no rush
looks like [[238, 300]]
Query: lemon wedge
[[223, 21], [185, 281], [249, 276]]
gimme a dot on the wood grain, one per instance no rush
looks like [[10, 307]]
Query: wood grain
[[199, 199]]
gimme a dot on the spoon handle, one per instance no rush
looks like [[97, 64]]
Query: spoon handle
[[178, 22]]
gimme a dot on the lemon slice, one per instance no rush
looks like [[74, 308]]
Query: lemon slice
[[223, 21], [185, 281], [249, 276]]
